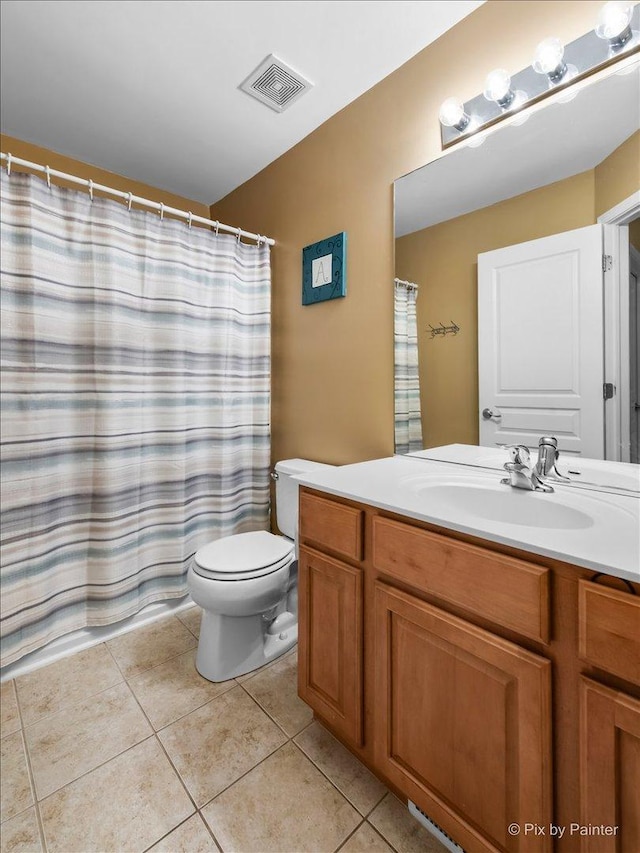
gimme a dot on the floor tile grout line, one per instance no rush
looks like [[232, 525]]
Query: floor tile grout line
[[177, 772], [351, 834], [182, 823], [264, 711], [253, 673], [341, 792], [160, 663], [268, 713], [151, 735], [66, 708], [97, 767], [326, 775], [197, 636], [32, 781], [106, 761], [191, 711], [157, 665], [303, 754], [73, 705], [157, 841], [246, 773], [12, 682], [211, 832], [383, 837], [162, 747]]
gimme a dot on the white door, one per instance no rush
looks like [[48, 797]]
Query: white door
[[540, 342], [634, 352]]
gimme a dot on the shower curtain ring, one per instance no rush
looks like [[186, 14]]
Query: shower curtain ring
[[190, 217], [91, 190], [130, 200], [161, 211], [217, 227], [238, 236], [8, 164], [48, 174]]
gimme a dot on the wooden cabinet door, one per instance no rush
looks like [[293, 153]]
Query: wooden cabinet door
[[463, 724], [609, 770], [330, 677]]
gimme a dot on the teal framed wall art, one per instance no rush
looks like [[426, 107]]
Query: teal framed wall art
[[324, 268]]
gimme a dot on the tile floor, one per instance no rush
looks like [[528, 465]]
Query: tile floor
[[124, 747]]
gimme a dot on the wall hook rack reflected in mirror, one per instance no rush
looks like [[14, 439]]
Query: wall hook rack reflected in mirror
[[453, 329]]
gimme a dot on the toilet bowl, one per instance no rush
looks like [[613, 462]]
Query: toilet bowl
[[246, 585]]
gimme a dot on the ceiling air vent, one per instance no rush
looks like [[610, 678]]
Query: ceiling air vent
[[275, 84]]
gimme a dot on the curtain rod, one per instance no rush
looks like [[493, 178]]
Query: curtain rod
[[410, 284], [132, 199]]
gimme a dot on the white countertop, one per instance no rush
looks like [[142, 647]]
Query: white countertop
[[605, 537]]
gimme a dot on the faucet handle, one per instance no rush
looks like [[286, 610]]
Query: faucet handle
[[519, 454], [548, 454]]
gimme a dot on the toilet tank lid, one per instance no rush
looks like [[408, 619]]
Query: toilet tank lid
[[298, 466]]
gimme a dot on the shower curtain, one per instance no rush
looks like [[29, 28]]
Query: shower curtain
[[408, 423], [135, 406]]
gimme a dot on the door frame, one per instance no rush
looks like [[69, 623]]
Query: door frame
[[617, 436], [634, 270]]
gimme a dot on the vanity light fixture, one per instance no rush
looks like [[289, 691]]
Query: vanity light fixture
[[497, 88], [452, 114], [554, 68], [549, 59], [614, 24]]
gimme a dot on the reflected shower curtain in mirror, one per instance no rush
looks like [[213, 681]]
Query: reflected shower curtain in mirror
[[135, 405], [408, 423]]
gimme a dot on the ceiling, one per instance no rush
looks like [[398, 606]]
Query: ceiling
[[558, 141], [149, 88]]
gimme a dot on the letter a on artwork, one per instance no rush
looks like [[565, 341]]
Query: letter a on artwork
[[321, 276], [321, 271]]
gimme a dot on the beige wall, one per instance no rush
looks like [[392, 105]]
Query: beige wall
[[45, 157], [618, 176], [333, 362], [443, 259]]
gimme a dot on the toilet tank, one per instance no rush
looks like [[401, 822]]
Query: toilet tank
[[287, 492]]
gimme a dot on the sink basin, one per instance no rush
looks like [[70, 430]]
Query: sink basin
[[493, 501]]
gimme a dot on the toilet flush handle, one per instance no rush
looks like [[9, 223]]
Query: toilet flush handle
[[274, 475]]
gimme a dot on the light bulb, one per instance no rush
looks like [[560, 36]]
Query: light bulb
[[497, 87], [548, 59], [614, 23], [452, 114]]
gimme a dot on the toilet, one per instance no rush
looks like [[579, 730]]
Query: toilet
[[247, 587]]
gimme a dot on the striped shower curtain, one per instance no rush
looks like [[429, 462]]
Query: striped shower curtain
[[135, 406], [408, 422]]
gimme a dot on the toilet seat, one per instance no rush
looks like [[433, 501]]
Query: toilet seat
[[243, 556]]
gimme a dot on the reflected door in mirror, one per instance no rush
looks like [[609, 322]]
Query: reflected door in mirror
[[540, 312]]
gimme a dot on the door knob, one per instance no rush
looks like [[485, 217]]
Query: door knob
[[491, 414]]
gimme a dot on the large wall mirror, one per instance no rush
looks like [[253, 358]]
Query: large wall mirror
[[505, 242]]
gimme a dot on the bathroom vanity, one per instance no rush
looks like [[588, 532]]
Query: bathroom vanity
[[479, 666]]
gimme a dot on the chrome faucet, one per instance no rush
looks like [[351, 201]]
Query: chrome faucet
[[522, 475], [547, 456]]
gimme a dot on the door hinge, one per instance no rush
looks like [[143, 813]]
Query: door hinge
[[608, 390], [607, 263]]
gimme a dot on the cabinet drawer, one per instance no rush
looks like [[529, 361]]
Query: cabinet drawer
[[331, 525], [609, 623], [510, 592]]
